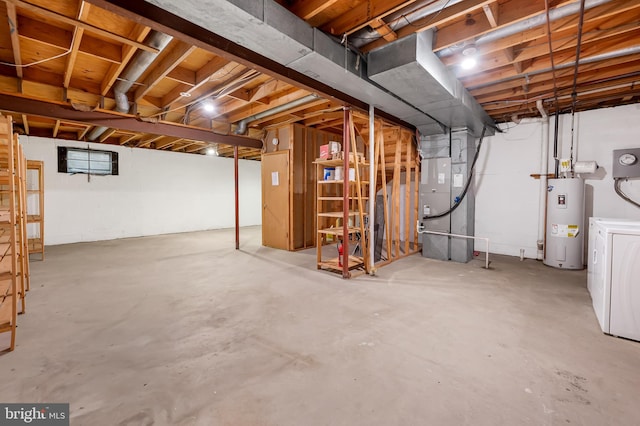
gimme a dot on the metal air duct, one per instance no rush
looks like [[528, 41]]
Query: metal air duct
[[242, 124], [409, 68], [138, 65], [367, 35], [527, 24]]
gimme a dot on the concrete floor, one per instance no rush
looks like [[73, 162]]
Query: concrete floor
[[183, 330]]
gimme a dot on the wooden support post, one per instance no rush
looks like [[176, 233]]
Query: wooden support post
[[407, 191], [385, 199], [372, 190], [396, 194], [346, 138], [235, 172]]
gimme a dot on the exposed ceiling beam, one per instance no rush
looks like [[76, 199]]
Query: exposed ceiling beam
[[106, 135], [382, 28], [432, 20], [83, 132], [56, 127], [56, 111], [491, 11], [148, 141], [594, 33], [25, 123], [309, 8], [83, 12], [178, 52], [363, 14], [12, 17], [162, 20], [77, 23], [69, 41], [566, 56], [202, 76], [167, 142], [605, 16], [138, 33], [126, 139], [457, 31]]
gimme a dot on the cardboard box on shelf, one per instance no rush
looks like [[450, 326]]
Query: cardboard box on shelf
[[324, 152], [340, 156], [334, 147]]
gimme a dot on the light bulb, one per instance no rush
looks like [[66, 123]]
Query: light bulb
[[468, 63], [208, 106]]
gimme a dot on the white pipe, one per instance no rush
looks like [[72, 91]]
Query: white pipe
[[372, 188], [544, 167], [421, 230]]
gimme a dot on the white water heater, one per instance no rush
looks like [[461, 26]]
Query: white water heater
[[565, 221]]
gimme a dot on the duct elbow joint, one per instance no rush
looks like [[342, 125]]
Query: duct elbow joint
[[241, 129]]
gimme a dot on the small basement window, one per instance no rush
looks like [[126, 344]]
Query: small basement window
[[88, 161]]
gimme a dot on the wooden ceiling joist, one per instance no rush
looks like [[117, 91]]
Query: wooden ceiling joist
[[178, 52], [138, 33], [12, 19], [80, 24], [310, 8], [436, 19]]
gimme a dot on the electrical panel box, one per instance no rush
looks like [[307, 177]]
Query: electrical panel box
[[626, 163]]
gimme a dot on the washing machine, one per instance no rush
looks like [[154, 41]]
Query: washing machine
[[613, 275]]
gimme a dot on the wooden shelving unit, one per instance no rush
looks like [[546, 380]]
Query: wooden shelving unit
[[14, 262], [338, 201], [330, 216], [35, 206]]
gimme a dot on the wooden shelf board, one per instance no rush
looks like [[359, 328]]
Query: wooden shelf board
[[352, 182], [340, 198], [5, 288], [333, 163], [338, 214], [338, 232], [354, 262], [6, 314]]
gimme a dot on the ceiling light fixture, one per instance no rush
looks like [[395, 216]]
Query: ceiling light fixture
[[208, 106], [212, 151], [468, 63], [469, 51], [185, 94]]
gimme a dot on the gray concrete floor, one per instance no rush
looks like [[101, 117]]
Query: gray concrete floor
[[181, 329]]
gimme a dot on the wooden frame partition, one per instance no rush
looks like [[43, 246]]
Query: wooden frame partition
[[397, 177]]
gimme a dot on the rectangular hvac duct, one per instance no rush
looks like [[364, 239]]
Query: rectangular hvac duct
[[409, 68], [260, 25]]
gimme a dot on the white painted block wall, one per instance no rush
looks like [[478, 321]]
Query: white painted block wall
[[507, 197], [156, 192]]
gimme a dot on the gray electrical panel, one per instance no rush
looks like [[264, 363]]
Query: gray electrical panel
[[626, 163], [435, 197]]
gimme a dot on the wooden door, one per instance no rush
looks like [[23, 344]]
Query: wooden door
[[275, 200]]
